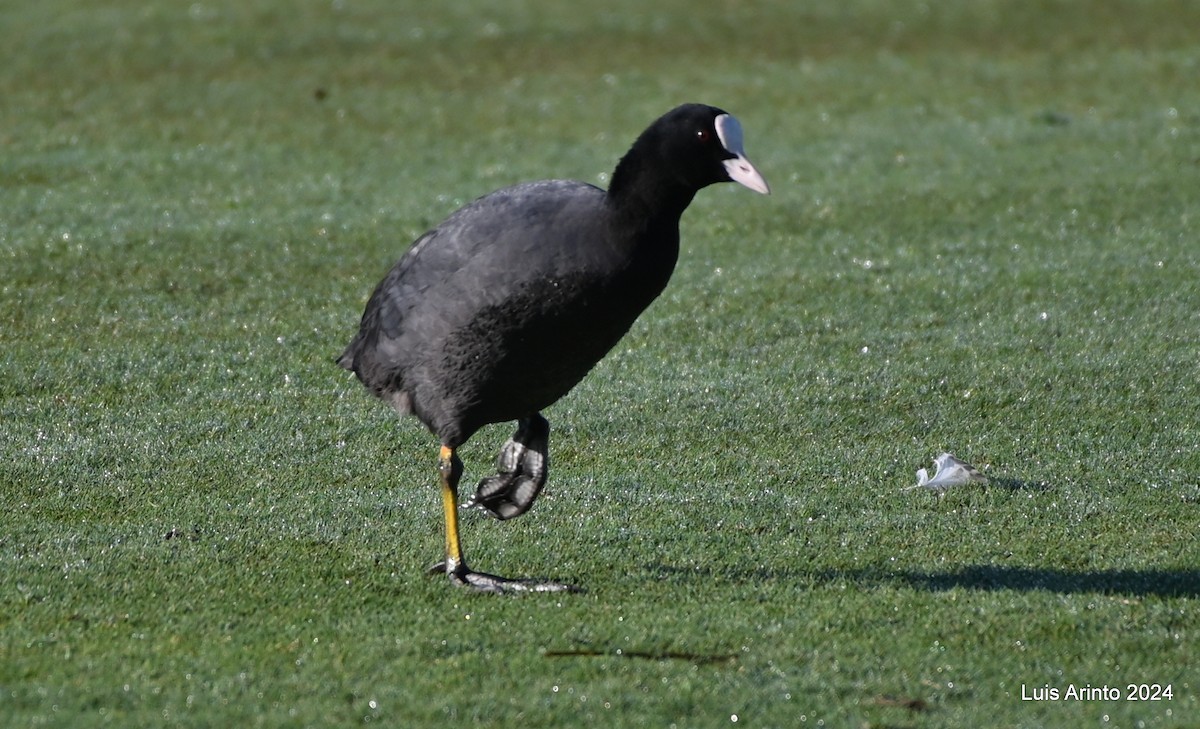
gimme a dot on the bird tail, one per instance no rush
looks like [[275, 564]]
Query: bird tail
[[346, 361]]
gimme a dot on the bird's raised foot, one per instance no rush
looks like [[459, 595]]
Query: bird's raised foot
[[522, 467], [483, 582]]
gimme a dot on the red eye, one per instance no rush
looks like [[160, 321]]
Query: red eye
[[702, 135]]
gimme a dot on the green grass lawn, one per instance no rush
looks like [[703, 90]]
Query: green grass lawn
[[982, 239]]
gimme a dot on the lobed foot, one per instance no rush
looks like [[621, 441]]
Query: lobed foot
[[483, 582], [521, 467]]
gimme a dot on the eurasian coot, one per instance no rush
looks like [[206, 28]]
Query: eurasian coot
[[501, 309]]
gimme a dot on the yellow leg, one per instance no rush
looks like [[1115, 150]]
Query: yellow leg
[[450, 468], [455, 566]]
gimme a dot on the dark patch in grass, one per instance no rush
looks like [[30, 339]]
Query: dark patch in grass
[[913, 705], [1017, 484], [698, 658], [1052, 118], [1183, 583], [1140, 583]]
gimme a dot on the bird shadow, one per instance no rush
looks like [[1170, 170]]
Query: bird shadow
[[997, 482], [1164, 583], [1130, 582], [1017, 484]]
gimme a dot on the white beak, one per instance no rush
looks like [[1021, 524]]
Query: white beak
[[729, 131]]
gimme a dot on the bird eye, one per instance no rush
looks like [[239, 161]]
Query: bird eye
[[702, 135]]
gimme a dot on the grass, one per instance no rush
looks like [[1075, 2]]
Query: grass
[[981, 239]]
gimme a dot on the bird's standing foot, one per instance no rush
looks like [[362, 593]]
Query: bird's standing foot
[[522, 467], [464, 576]]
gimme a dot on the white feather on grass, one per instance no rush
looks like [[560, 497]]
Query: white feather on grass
[[950, 472]]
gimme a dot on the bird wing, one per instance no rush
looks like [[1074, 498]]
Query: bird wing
[[484, 249]]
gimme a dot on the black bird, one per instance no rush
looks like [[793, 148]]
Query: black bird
[[501, 309]]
